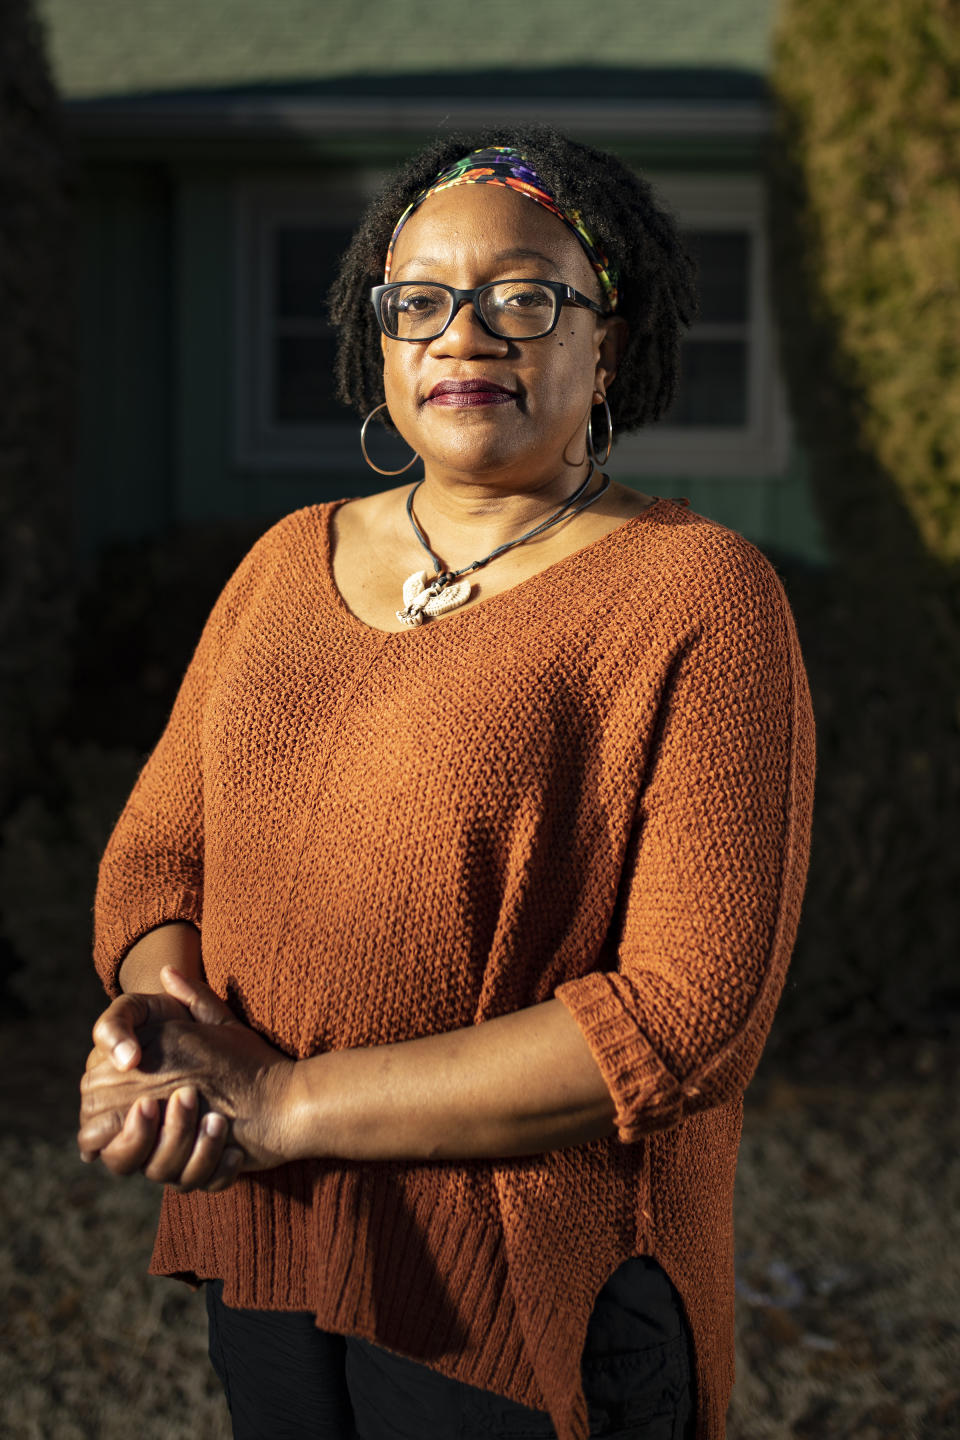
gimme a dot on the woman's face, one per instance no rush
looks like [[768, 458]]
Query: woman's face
[[464, 237]]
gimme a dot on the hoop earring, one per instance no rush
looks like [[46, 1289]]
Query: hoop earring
[[590, 450], [363, 433]]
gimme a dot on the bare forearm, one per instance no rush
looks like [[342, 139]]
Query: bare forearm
[[176, 943], [518, 1085]]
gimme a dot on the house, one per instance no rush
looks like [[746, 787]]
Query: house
[[223, 153]]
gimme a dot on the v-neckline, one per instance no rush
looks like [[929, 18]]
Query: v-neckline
[[460, 616]]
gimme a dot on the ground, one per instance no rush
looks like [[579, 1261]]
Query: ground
[[847, 1219]]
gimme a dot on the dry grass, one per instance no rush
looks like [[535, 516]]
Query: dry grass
[[847, 1223], [847, 1220], [91, 1346]]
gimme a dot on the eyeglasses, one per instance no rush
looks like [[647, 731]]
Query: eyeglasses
[[507, 309]]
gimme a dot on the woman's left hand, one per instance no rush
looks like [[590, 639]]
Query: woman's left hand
[[210, 1061]]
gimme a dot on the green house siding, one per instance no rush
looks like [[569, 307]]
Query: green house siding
[[125, 404], [203, 483]]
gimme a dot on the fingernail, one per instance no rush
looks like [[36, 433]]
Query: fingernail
[[148, 1108], [124, 1052], [187, 1097], [214, 1125]]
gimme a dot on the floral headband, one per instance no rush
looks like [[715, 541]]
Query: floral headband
[[503, 165]]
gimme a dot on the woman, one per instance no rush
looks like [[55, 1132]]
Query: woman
[[490, 797]]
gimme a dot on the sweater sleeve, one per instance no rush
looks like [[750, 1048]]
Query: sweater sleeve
[[151, 871], [717, 862]]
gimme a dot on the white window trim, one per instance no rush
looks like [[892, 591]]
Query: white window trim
[[260, 205], [698, 201], [760, 448]]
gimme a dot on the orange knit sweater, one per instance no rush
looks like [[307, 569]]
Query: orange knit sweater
[[597, 786]]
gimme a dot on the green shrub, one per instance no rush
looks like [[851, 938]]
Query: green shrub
[[870, 112]]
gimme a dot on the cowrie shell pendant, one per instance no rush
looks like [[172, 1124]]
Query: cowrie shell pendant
[[421, 599]]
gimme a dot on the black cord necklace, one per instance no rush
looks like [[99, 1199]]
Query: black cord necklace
[[447, 591]]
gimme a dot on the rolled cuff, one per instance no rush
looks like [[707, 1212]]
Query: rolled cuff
[[646, 1095]]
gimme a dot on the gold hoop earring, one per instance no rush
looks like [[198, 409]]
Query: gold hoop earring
[[363, 435], [590, 450]]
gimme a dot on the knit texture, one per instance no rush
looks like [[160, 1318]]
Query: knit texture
[[596, 785]]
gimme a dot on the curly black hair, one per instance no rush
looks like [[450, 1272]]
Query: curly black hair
[[657, 275]]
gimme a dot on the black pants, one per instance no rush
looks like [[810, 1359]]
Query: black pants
[[285, 1379]]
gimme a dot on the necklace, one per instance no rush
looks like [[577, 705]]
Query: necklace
[[447, 591]]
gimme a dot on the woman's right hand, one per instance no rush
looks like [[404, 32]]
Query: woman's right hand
[[163, 1142]]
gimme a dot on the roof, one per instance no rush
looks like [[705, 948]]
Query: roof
[[658, 48]]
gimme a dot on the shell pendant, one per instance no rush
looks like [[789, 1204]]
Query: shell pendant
[[421, 599]]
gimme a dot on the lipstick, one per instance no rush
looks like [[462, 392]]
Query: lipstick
[[465, 394]]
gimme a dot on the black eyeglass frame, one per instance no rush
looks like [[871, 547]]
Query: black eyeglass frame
[[565, 295]]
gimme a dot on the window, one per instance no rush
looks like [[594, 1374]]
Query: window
[[714, 365], [301, 263], [729, 417], [290, 238]]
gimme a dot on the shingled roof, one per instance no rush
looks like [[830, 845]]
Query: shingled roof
[[102, 49]]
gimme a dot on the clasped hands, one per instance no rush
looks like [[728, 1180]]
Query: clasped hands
[[180, 1089]]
